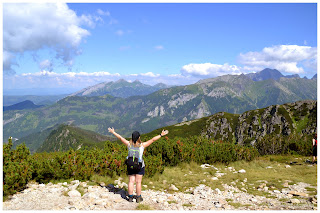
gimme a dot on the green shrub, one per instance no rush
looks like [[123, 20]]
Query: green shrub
[[17, 169], [20, 167], [292, 144]]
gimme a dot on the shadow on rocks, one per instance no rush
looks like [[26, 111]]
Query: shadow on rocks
[[116, 190]]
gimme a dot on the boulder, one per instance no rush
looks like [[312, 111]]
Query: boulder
[[74, 193], [295, 193], [294, 200], [173, 187]]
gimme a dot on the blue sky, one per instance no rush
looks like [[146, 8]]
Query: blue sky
[[80, 44]]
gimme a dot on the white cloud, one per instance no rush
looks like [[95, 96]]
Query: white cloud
[[31, 27], [285, 58], [159, 47], [47, 79], [103, 13], [209, 70], [8, 61], [150, 74], [119, 32], [46, 65]]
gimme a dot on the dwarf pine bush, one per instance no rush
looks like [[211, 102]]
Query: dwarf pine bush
[[20, 166]]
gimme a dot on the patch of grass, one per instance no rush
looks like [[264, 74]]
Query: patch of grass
[[187, 205], [311, 191], [229, 200], [144, 207], [172, 201], [238, 205], [81, 189], [284, 200], [65, 193], [189, 175], [271, 196], [96, 179], [183, 177], [53, 181]]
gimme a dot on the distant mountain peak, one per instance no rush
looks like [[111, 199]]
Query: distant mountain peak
[[265, 74], [121, 81], [22, 105], [120, 88]]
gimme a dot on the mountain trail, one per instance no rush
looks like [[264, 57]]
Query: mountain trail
[[64, 196]]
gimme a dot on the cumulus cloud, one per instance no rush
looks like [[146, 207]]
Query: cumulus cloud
[[46, 65], [150, 74], [285, 58], [49, 79], [103, 13], [159, 47], [209, 70], [119, 32], [8, 62], [31, 27]]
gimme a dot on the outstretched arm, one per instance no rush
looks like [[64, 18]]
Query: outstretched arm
[[149, 142], [123, 140]]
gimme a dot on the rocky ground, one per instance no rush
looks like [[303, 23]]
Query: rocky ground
[[81, 196]]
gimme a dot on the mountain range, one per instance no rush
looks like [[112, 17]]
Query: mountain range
[[22, 105], [246, 128], [120, 88], [38, 100], [230, 93], [65, 137]]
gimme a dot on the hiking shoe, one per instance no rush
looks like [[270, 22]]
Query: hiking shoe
[[139, 199], [130, 199]]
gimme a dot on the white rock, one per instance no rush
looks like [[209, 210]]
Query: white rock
[[74, 193], [287, 166], [214, 178], [276, 191], [242, 171], [173, 187], [101, 202], [269, 167], [218, 191], [245, 180], [217, 205], [294, 200], [83, 184], [75, 182], [104, 195], [65, 183]]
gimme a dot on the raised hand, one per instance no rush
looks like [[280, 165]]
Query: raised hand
[[164, 132], [111, 130]]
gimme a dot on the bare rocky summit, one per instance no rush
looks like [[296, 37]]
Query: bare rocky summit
[[81, 196]]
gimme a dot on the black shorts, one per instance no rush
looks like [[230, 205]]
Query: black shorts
[[314, 151], [133, 172]]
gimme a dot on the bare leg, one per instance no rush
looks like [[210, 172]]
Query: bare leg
[[138, 184], [132, 179]]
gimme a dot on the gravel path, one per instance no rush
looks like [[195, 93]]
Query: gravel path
[[63, 196]]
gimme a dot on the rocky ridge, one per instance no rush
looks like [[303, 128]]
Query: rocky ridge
[[81, 196], [250, 126]]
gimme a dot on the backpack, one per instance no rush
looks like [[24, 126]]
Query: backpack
[[133, 162]]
